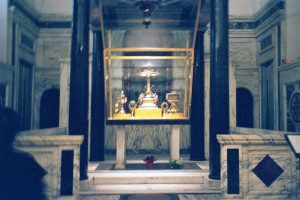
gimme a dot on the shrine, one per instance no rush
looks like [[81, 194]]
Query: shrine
[[150, 99]]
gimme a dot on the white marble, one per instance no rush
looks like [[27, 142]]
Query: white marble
[[121, 137], [232, 96], [253, 148], [47, 151], [175, 143], [151, 137], [121, 148], [64, 93], [45, 132]]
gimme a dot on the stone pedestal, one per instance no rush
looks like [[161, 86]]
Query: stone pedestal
[[257, 163], [47, 150], [175, 143], [121, 148], [121, 145]]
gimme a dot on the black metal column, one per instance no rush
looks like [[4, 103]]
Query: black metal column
[[97, 100], [197, 107], [219, 82], [78, 107]]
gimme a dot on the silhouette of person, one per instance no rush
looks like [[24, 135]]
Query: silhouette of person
[[20, 174]]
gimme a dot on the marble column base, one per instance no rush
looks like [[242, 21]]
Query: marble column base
[[120, 165]]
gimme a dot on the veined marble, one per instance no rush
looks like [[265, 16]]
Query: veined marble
[[64, 93], [156, 137], [44, 132], [253, 147], [47, 151]]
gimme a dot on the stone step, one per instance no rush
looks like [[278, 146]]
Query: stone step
[[147, 177], [149, 189]]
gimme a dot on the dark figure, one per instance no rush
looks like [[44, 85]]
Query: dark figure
[[20, 175]]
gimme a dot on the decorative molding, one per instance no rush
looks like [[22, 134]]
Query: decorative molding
[[7, 67], [259, 18], [47, 21]]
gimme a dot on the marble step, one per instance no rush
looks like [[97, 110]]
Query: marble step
[[150, 189], [146, 177]]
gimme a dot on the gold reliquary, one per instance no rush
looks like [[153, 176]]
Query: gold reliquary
[[148, 87]]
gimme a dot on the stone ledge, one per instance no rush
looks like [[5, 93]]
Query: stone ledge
[[57, 140]]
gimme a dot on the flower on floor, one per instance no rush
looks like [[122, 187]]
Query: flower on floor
[[149, 159], [176, 164]]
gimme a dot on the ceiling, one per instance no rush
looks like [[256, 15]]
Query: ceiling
[[177, 14], [122, 13]]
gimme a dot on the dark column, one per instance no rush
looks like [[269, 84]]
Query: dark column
[[78, 113], [97, 100], [197, 107], [219, 82]]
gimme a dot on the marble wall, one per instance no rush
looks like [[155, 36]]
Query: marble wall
[[289, 75], [259, 151], [52, 46], [7, 84]]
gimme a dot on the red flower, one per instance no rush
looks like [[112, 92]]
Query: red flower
[[149, 160]]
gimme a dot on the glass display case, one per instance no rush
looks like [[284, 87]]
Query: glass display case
[[148, 83]]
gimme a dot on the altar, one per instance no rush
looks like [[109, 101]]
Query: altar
[[156, 90], [121, 145]]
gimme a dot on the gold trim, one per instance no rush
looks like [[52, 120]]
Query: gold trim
[[144, 49], [147, 57], [188, 57], [110, 77], [197, 23], [192, 79], [102, 24]]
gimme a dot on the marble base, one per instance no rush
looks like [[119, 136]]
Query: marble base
[[252, 150], [121, 145], [47, 151]]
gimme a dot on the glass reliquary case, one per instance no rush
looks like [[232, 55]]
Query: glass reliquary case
[[148, 83]]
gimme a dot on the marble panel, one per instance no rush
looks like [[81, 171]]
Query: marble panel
[[252, 149], [289, 74], [155, 137], [232, 95], [240, 51], [64, 93], [47, 151]]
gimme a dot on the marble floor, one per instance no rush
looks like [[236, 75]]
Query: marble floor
[[166, 184]]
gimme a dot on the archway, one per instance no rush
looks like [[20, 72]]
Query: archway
[[49, 110], [244, 108]]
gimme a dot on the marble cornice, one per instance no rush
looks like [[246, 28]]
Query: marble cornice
[[268, 8], [46, 131], [285, 67], [245, 136], [46, 21], [259, 19], [247, 139], [240, 130], [49, 141], [7, 67], [247, 68], [46, 69]]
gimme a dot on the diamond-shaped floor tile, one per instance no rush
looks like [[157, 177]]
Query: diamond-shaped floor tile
[[267, 170]]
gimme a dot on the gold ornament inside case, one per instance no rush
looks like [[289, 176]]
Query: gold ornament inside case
[[148, 108]]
